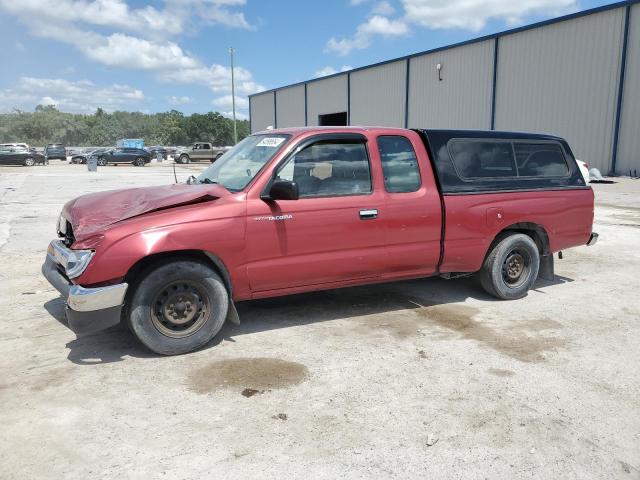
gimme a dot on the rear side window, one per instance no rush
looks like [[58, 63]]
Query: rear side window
[[483, 159], [540, 160], [399, 164]]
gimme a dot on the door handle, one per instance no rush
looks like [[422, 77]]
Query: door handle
[[368, 214]]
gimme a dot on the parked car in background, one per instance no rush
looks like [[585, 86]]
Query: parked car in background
[[55, 151], [154, 151], [137, 156], [584, 170], [198, 152], [82, 157], [20, 156], [20, 145]]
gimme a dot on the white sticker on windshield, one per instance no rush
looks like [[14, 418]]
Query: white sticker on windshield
[[270, 142]]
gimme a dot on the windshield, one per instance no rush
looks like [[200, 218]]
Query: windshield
[[237, 167]]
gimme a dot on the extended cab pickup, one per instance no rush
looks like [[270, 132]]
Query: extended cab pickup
[[295, 210]]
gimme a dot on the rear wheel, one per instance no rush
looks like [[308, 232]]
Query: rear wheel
[[139, 162], [102, 161], [178, 307], [29, 162], [511, 268], [184, 159]]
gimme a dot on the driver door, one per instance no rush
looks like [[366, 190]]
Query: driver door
[[332, 233]]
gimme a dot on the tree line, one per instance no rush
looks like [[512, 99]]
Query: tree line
[[49, 125]]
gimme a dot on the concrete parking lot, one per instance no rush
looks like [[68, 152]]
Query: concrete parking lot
[[427, 378]]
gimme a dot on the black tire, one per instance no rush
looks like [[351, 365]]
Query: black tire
[[217, 157], [184, 159], [140, 162], [178, 307], [102, 161], [511, 268], [29, 162]]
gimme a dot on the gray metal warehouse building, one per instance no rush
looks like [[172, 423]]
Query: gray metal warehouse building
[[577, 76]]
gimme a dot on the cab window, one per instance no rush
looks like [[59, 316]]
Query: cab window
[[330, 168]]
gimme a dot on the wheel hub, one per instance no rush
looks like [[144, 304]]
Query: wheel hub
[[515, 266], [179, 310]]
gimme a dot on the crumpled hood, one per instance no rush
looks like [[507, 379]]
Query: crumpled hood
[[89, 214]]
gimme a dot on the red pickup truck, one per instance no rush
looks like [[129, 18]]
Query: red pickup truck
[[295, 210]]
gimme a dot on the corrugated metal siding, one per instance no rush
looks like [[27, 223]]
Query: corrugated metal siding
[[629, 139], [262, 114], [562, 79], [290, 106], [378, 94], [326, 96], [463, 98]]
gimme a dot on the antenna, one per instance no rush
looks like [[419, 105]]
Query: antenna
[[175, 176]]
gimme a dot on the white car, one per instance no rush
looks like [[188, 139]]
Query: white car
[[20, 145], [584, 170]]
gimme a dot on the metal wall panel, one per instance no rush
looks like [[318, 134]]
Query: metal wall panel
[[262, 111], [563, 79], [629, 139], [378, 95], [326, 96], [290, 106], [463, 98]]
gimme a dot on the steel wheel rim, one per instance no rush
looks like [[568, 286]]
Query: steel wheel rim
[[180, 309], [516, 268]]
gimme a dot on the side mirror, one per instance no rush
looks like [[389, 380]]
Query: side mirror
[[283, 190]]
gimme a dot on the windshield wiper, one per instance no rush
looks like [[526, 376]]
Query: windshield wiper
[[208, 180]]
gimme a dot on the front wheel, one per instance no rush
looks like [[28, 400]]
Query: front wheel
[[511, 268], [102, 161], [178, 307], [139, 162], [184, 159], [29, 162]]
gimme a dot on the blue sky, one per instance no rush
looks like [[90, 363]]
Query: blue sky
[[173, 54]]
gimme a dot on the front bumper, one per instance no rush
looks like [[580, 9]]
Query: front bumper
[[593, 239], [89, 310]]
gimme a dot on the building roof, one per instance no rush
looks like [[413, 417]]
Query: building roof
[[532, 26]]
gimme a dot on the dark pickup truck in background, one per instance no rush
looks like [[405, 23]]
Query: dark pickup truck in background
[[296, 210]]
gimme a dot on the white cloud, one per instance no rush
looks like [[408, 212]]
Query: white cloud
[[174, 100], [473, 15], [329, 70], [102, 30], [226, 103], [145, 21], [80, 96], [375, 25], [383, 8], [239, 115]]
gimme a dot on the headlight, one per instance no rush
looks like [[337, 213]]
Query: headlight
[[77, 262], [62, 225]]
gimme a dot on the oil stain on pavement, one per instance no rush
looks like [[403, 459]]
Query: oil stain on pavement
[[249, 375], [521, 341]]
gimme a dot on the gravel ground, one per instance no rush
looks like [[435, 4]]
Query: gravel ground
[[426, 378]]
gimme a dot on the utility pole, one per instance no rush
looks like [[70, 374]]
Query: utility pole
[[233, 97]]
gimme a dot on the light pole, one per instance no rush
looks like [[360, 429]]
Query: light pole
[[233, 97]]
